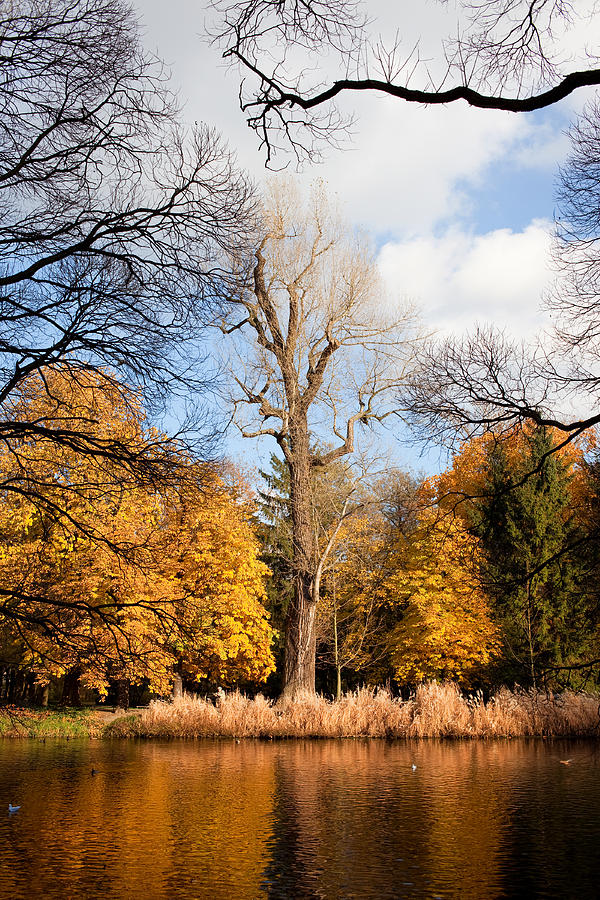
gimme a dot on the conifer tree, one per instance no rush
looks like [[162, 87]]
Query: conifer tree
[[526, 526]]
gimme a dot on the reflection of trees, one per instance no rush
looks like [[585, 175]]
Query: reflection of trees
[[339, 809], [467, 817], [219, 819], [305, 820], [156, 821], [292, 869]]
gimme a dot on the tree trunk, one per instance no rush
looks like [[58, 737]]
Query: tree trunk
[[10, 685], [338, 667], [177, 686], [123, 693], [17, 686], [300, 640], [300, 634], [29, 690], [70, 694], [43, 694]]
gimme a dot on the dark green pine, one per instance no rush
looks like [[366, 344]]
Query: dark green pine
[[530, 568]]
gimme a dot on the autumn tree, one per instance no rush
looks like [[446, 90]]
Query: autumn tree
[[356, 614], [527, 502], [446, 628], [316, 358], [508, 55], [212, 555], [413, 605], [492, 579], [129, 582], [79, 594], [354, 618]]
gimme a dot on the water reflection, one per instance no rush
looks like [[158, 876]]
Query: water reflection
[[300, 820], [359, 822]]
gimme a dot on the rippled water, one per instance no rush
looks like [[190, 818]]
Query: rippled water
[[334, 819]]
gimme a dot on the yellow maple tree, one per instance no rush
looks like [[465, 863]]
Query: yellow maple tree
[[91, 576], [213, 559], [446, 631]]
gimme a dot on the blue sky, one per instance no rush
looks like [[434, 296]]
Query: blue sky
[[459, 202]]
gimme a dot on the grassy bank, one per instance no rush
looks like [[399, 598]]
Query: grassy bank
[[434, 711], [42, 723]]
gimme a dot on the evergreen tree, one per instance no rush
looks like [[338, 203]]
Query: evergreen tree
[[275, 533], [535, 580]]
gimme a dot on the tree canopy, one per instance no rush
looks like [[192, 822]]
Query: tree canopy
[[114, 579]]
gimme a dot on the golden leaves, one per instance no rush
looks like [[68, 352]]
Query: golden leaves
[[109, 574], [446, 631]]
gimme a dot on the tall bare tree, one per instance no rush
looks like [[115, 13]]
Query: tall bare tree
[[508, 55], [317, 358]]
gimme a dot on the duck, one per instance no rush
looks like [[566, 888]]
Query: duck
[[13, 809]]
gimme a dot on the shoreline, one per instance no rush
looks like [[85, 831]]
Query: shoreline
[[39, 723], [434, 711]]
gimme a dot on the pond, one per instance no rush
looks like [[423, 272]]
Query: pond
[[321, 819]]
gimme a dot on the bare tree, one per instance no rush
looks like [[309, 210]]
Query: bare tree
[[113, 220], [323, 359], [486, 381], [507, 55]]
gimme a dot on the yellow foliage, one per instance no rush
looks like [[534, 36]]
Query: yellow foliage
[[446, 631], [213, 556], [106, 575]]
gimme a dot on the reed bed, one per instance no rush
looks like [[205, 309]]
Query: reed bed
[[435, 710]]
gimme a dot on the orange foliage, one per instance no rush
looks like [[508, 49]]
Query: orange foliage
[[466, 476], [102, 573], [446, 631]]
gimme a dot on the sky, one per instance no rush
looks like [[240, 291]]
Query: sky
[[459, 202]]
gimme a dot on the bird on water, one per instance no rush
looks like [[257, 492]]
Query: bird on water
[[12, 808]]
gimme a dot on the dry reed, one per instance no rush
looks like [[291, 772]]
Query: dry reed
[[435, 710]]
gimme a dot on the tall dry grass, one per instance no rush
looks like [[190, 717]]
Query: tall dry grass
[[435, 710]]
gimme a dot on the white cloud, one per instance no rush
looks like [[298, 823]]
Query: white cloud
[[401, 176], [459, 280], [406, 168]]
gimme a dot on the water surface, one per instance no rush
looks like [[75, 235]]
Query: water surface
[[320, 819]]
